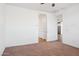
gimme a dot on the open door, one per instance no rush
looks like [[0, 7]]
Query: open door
[[42, 28]]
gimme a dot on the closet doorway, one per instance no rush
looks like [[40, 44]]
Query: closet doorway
[[42, 28]]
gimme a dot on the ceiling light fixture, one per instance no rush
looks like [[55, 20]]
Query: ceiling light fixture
[[42, 3], [53, 4]]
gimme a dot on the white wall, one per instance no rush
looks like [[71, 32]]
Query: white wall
[[22, 26], [71, 26], [51, 27], [2, 46]]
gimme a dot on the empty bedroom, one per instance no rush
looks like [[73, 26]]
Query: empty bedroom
[[39, 29]]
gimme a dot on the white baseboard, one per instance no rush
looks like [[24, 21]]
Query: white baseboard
[[73, 45]]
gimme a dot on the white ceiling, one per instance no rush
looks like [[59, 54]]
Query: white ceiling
[[45, 7]]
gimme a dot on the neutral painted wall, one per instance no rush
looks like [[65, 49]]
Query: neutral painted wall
[[22, 26], [71, 26], [51, 27], [2, 46]]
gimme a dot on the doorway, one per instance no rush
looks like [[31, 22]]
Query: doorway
[[59, 31], [59, 27], [42, 28]]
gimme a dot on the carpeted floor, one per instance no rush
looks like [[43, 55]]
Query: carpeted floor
[[42, 49]]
